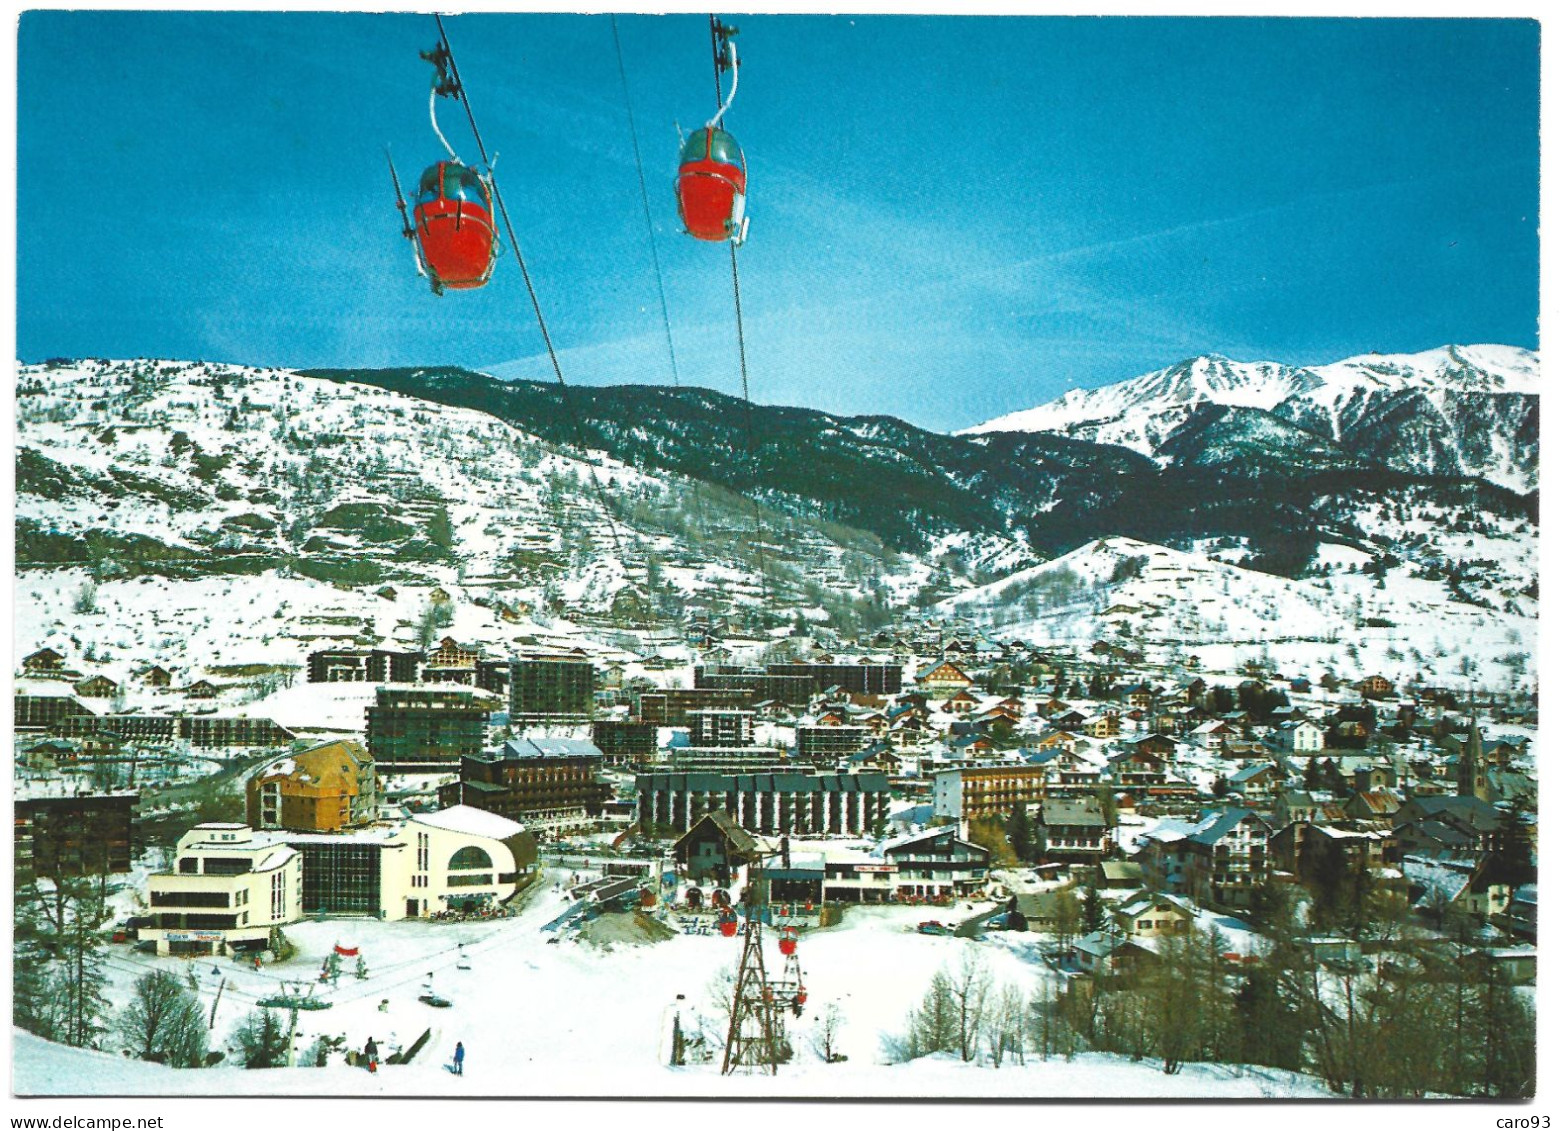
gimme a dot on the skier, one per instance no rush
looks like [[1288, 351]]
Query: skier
[[460, 1058], [371, 1054]]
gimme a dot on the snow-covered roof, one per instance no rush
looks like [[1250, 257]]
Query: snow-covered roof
[[473, 822]]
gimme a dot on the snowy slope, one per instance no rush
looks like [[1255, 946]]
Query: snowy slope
[[1168, 602], [256, 514], [536, 1020], [1457, 410]]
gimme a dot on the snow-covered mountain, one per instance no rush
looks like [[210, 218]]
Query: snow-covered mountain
[[1454, 411], [193, 471]]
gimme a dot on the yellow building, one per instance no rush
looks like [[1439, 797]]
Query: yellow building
[[323, 789]]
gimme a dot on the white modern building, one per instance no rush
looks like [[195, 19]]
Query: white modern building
[[230, 886]]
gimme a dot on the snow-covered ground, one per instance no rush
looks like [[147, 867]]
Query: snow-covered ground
[[567, 1018], [1142, 595]]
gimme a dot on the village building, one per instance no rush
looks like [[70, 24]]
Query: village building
[[983, 791], [669, 707], [377, 665], [1073, 829], [861, 678], [551, 689], [830, 745], [792, 690], [89, 834], [325, 788], [37, 705], [45, 663], [943, 678], [717, 726], [222, 732], [1228, 857], [458, 859], [97, 687], [157, 676], [541, 782], [766, 803], [624, 742], [411, 729], [714, 847], [229, 889]]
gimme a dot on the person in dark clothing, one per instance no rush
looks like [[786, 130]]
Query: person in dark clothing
[[460, 1058], [371, 1054]]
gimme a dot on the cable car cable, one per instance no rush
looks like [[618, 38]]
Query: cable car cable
[[650, 227], [536, 305], [721, 36]]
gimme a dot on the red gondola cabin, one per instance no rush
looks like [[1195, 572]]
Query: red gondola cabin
[[453, 217], [712, 185]]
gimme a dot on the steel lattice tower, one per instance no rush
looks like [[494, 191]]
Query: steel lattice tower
[[753, 1039]]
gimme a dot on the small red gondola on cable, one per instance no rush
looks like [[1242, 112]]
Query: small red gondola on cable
[[452, 222], [712, 186], [453, 219]]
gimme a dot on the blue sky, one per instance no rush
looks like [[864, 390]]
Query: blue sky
[[952, 218]]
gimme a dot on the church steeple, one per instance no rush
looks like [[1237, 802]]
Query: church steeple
[[1472, 766]]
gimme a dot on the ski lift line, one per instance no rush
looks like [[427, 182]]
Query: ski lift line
[[650, 227], [719, 36], [536, 305], [753, 455]]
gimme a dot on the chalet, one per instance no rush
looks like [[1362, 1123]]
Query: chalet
[[1106, 954], [1228, 857], [1257, 783], [1106, 725], [1073, 829], [943, 676], [451, 654], [1069, 720], [879, 757], [1154, 915], [1375, 687], [97, 687], [157, 676], [714, 847], [936, 864], [1297, 736], [438, 595], [201, 689], [1138, 769], [43, 662], [1142, 697], [970, 745], [961, 703], [1160, 745], [1214, 735], [1119, 875]]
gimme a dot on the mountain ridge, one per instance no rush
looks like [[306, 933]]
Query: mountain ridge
[[1453, 411]]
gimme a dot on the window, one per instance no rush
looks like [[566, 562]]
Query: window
[[470, 857]]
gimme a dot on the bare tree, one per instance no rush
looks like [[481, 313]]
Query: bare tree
[[1004, 1025], [163, 1021], [826, 1034], [969, 989]]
